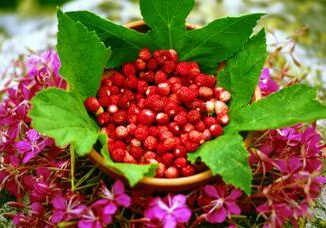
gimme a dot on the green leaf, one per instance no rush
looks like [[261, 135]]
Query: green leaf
[[62, 116], [228, 157], [217, 41], [82, 55], [133, 173], [125, 43], [166, 20], [241, 74], [289, 106]]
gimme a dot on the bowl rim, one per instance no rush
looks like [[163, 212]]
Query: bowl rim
[[166, 183]]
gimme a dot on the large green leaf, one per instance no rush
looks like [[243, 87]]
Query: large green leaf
[[83, 56], [166, 20], [241, 74], [217, 41], [134, 173], [289, 106], [125, 43], [62, 116], [228, 157]]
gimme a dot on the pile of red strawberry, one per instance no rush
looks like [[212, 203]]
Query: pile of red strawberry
[[157, 109]]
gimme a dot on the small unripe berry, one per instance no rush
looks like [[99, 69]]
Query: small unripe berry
[[225, 96], [121, 132], [220, 107], [205, 92]]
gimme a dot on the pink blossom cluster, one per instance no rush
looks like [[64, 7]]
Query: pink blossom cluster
[[286, 165]]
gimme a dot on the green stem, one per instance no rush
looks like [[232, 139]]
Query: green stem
[[72, 164]]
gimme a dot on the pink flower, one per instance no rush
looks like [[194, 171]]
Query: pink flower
[[168, 212], [101, 211], [33, 144], [218, 203], [67, 207], [266, 84], [275, 214]]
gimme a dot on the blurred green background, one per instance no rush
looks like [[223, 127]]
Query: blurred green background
[[296, 36]]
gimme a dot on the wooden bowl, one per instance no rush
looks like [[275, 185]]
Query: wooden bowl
[[165, 184]]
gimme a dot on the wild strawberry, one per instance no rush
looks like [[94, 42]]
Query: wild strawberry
[[141, 103], [181, 119], [205, 80], [182, 68], [135, 143], [118, 154], [146, 117], [141, 132], [160, 170], [106, 81], [129, 158], [104, 91], [171, 109], [223, 118], [151, 64], [128, 69], [148, 157], [180, 151], [193, 70], [207, 134], [119, 117], [167, 158], [103, 118], [210, 106], [121, 132], [104, 101], [118, 145], [196, 137], [188, 127], [216, 130], [162, 118], [174, 128], [180, 162], [92, 104], [152, 131], [220, 107], [186, 95], [131, 82], [170, 143], [171, 172], [175, 87], [225, 96], [173, 80], [145, 54], [193, 116], [172, 55], [200, 126], [163, 135], [168, 67], [209, 120], [163, 89], [142, 87], [194, 88], [205, 92], [140, 64], [151, 90], [188, 170], [198, 105], [160, 77], [136, 152], [150, 143], [191, 147], [117, 79], [158, 105]]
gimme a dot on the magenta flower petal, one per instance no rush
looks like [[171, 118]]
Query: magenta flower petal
[[235, 194], [169, 222], [218, 216], [118, 188], [210, 190], [182, 214], [58, 202], [57, 217], [110, 209], [123, 200], [233, 208]]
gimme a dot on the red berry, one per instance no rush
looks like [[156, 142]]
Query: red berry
[[216, 130], [188, 170], [188, 127], [170, 143], [151, 64], [131, 82], [150, 143], [135, 143], [152, 131], [180, 151], [191, 146], [193, 70], [121, 132], [146, 117], [129, 158], [194, 116], [174, 128], [145, 54], [181, 119], [160, 77], [162, 118], [142, 87], [149, 76], [182, 68], [141, 132], [103, 118], [205, 80], [186, 95], [209, 120], [168, 67], [207, 134], [92, 104], [119, 117], [196, 137], [223, 118], [104, 101], [224, 96], [140, 64], [117, 79], [167, 158], [200, 126], [104, 91], [172, 55], [205, 92], [118, 154], [172, 172], [151, 90], [180, 162], [163, 135], [171, 109], [128, 69], [175, 87], [148, 157], [163, 89], [220, 107], [160, 170], [136, 152]]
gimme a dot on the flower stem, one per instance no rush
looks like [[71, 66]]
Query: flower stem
[[72, 164]]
